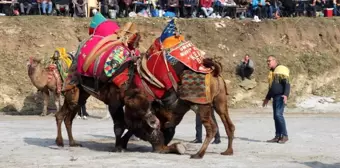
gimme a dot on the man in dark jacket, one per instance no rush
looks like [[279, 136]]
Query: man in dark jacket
[[279, 89]]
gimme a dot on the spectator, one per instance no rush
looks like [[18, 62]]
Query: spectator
[[336, 7], [206, 6], [198, 128], [246, 67], [279, 89], [25, 4], [46, 4], [257, 8], [188, 8], [62, 4], [108, 5], [79, 7], [272, 7]]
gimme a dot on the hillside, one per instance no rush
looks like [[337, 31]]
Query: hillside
[[308, 46]]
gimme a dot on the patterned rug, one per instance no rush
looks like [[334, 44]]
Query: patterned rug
[[195, 87]]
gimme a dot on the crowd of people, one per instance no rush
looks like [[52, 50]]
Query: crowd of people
[[256, 9]]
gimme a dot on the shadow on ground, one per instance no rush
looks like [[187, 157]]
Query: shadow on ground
[[101, 145], [317, 164]]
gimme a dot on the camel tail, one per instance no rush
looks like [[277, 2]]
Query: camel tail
[[209, 63]]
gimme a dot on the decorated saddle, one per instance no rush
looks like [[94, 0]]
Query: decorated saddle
[[106, 50]]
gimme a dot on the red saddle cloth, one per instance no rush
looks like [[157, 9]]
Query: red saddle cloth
[[156, 65], [190, 56]]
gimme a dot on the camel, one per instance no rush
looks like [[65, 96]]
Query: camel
[[172, 115], [102, 88], [176, 77], [48, 79]]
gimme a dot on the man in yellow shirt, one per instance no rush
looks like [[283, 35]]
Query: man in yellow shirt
[[279, 89]]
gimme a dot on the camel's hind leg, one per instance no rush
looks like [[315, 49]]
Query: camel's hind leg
[[221, 107], [210, 127], [59, 117]]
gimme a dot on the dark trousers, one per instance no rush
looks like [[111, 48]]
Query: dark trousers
[[199, 127], [246, 72], [83, 112], [279, 120]]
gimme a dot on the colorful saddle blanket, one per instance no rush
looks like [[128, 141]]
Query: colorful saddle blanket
[[108, 62], [184, 52], [195, 87]]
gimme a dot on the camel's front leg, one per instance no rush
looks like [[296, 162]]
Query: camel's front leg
[[46, 100]]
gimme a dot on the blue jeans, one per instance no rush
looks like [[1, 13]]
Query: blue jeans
[[280, 124], [44, 6]]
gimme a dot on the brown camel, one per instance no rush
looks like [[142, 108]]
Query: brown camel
[[44, 80], [218, 93], [103, 89]]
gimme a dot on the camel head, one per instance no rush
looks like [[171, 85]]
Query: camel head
[[138, 106], [32, 64]]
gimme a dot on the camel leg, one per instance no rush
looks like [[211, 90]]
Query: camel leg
[[157, 142], [210, 127], [177, 115], [125, 139], [221, 107], [75, 98], [117, 113], [60, 116], [57, 101], [68, 123], [46, 100]]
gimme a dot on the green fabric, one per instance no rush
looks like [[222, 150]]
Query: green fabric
[[97, 19]]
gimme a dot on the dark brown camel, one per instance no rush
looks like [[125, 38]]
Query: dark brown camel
[[219, 96]]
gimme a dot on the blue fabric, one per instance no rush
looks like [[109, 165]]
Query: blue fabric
[[280, 123], [154, 12], [168, 31]]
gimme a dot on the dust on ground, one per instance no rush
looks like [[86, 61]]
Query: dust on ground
[[308, 46], [314, 143]]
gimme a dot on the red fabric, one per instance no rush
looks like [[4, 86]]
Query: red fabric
[[120, 79], [106, 28], [156, 65], [91, 30], [157, 91], [206, 3], [190, 56]]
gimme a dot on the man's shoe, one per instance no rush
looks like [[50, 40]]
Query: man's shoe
[[216, 141], [283, 139], [196, 141], [274, 140]]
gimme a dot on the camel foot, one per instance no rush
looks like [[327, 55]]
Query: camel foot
[[180, 148], [195, 156], [43, 114], [118, 150], [75, 144], [228, 152], [59, 142]]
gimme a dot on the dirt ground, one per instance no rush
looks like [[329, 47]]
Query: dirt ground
[[308, 46], [314, 143]]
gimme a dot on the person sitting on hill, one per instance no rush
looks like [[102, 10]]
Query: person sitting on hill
[[246, 67]]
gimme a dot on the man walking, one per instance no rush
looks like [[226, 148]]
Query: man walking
[[279, 89]]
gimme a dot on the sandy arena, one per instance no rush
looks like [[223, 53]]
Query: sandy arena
[[28, 141]]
